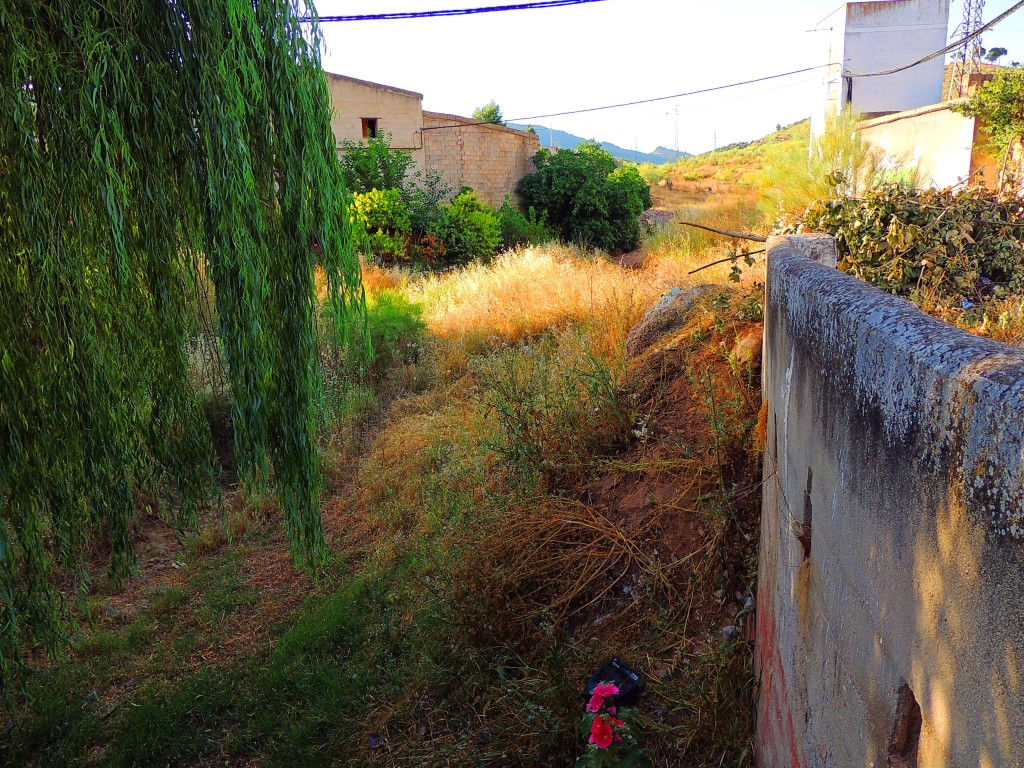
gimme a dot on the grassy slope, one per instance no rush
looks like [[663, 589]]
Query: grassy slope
[[484, 524]]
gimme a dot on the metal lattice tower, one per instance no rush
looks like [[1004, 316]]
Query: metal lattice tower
[[967, 59]]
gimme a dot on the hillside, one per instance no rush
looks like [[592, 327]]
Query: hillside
[[564, 140], [732, 170]]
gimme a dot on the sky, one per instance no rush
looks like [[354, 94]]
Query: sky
[[540, 61]]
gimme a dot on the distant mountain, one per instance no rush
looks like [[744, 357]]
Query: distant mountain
[[563, 140]]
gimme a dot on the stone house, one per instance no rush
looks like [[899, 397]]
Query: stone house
[[489, 158]]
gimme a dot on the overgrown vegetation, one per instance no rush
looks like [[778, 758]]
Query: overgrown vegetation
[[1000, 105], [150, 153], [528, 504], [837, 163], [586, 198], [965, 244], [408, 221]]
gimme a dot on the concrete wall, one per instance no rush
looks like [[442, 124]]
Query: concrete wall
[[489, 158], [877, 36], [892, 543], [946, 148], [399, 112]]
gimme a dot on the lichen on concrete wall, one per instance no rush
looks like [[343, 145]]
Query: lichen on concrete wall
[[891, 551]]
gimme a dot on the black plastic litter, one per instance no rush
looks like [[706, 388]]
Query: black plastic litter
[[625, 678]]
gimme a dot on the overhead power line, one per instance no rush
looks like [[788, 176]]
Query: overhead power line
[[450, 12], [640, 101], [951, 47]]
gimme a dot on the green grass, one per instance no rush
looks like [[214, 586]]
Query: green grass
[[433, 638]]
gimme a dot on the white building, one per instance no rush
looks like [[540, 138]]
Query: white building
[[876, 36]]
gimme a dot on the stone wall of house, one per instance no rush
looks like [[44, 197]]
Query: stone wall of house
[[489, 158], [398, 112]]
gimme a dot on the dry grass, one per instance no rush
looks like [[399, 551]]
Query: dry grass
[[525, 293], [490, 595]]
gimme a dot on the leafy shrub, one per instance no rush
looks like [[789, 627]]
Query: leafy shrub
[[467, 229], [1000, 104], [374, 165], [395, 326], [652, 173], [518, 228], [383, 209], [586, 199], [425, 195], [554, 405], [385, 217], [904, 241]]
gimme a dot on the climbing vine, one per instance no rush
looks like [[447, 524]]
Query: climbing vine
[[149, 150]]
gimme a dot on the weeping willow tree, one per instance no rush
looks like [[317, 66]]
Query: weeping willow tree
[[150, 149]]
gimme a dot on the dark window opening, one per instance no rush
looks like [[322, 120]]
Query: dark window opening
[[370, 127], [906, 733]]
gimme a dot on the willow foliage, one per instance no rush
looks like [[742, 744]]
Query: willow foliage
[[149, 149]]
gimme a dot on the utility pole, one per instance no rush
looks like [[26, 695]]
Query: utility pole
[[967, 59], [676, 147]]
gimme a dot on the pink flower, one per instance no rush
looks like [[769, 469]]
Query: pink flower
[[601, 733], [606, 689], [595, 703], [613, 710]]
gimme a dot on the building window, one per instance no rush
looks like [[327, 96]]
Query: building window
[[370, 127]]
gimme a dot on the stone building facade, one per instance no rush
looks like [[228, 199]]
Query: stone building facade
[[489, 158]]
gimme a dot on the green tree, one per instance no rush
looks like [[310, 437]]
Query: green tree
[[489, 113], [995, 54], [150, 152], [999, 103], [373, 164], [586, 198], [467, 228]]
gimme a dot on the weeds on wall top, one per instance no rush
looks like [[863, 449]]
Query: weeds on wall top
[[960, 245]]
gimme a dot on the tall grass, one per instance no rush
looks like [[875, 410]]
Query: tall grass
[[796, 173], [478, 587]]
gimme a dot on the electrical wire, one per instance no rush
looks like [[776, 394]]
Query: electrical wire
[[951, 47], [450, 12], [640, 101]]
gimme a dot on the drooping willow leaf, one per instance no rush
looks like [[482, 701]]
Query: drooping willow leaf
[[150, 149]]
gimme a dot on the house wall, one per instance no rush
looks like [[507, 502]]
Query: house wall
[[399, 112], [878, 36], [945, 147], [892, 540], [489, 158]]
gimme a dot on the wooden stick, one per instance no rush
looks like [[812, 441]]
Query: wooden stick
[[727, 232], [722, 261]]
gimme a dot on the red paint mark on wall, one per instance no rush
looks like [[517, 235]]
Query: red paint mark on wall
[[777, 745]]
